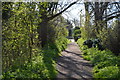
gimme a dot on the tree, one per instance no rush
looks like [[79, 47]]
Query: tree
[[19, 33], [98, 15], [47, 15]]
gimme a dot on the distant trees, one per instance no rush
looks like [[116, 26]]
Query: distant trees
[[70, 30], [77, 33]]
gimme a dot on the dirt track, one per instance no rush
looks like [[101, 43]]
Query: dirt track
[[71, 65]]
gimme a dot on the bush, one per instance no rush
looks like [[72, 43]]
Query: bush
[[89, 43], [93, 43], [80, 43], [88, 53], [61, 43], [108, 72], [100, 56]]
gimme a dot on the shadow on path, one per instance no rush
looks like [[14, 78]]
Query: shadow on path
[[71, 65]]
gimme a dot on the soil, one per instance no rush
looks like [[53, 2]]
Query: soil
[[72, 66]]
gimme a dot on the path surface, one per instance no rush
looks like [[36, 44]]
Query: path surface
[[72, 66]]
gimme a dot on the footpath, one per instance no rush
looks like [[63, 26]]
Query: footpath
[[72, 66]]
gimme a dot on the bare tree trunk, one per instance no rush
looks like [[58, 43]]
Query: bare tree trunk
[[99, 12]]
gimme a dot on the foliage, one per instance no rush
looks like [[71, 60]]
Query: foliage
[[41, 66], [103, 24], [22, 54], [104, 62], [108, 72], [96, 26], [19, 34], [61, 44], [110, 37], [89, 43], [57, 29]]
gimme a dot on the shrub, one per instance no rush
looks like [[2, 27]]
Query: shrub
[[93, 43], [113, 62], [88, 53], [89, 43], [80, 43], [61, 43], [100, 56], [108, 72]]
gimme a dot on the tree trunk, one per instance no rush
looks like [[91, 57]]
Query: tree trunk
[[43, 31]]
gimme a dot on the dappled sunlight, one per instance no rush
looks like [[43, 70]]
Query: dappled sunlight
[[74, 38], [72, 65]]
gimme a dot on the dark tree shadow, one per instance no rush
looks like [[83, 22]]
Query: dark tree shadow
[[72, 66]]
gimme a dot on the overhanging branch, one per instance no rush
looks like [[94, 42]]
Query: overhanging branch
[[111, 17], [52, 17]]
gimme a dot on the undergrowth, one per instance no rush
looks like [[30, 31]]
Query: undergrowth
[[42, 66], [105, 63]]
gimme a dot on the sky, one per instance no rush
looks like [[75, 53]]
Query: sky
[[74, 12]]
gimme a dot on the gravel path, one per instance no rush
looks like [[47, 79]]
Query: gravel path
[[71, 65]]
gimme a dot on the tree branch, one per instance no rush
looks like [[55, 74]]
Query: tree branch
[[52, 17], [111, 14], [104, 6], [109, 18]]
